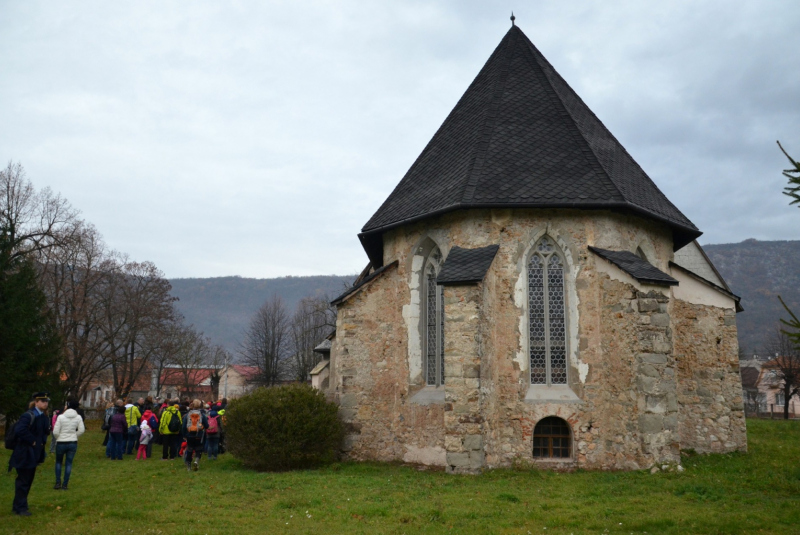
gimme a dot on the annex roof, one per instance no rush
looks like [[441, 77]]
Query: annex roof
[[362, 282], [521, 137], [466, 266], [638, 268]]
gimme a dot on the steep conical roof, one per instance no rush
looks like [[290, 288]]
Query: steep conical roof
[[521, 137]]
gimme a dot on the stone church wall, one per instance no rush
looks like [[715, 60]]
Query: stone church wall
[[709, 384], [370, 382], [628, 401]]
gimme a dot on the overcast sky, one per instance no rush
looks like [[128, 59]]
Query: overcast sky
[[257, 138]]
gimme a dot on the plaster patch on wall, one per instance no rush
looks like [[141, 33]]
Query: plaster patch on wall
[[430, 456], [411, 317], [697, 293], [583, 370]]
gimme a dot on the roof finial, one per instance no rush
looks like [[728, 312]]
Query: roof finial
[[513, 18]]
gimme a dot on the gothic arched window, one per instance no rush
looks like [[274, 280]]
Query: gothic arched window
[[547, 321], [433, 320]]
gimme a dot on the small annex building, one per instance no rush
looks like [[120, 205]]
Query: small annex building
[[532, 296]]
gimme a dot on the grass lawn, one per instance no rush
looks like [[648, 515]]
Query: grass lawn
[[758, 492]]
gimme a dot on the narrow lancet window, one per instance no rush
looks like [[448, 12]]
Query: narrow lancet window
[[434, 322], [547, 322]]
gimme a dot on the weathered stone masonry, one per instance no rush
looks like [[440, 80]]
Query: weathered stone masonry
[[630, 373]]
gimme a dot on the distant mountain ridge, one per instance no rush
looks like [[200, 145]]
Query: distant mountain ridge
[[757, 271], [221, 307]]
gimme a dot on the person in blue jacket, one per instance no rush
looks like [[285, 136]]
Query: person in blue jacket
[[29, 452]]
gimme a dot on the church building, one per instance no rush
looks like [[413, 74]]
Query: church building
[[533, 297]]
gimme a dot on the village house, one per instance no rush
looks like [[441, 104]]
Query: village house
[[532, 296], [177, 382], [762, 386]]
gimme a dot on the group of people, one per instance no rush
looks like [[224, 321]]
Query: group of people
[[183, 428]]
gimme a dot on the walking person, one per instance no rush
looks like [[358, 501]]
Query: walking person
[[194, 426], [145, 436], [132, 418], [30, 437], [116, 433], [213, 433], [69, 426], [170, 430]]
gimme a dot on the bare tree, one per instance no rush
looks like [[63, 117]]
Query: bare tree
[[783, 370], [31, 220], [313, 320], [74, 277], [138, 302], [218, 362], [193, 355], [266, 340]]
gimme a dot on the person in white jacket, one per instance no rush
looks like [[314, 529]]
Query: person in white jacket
[[69, 426]]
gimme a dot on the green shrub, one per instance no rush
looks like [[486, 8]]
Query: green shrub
[[282, 428]]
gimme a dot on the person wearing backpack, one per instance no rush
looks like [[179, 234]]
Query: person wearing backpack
[[132, 418], [170, 430], [28, 439], [213, 433], [194, 426], [69, 426]]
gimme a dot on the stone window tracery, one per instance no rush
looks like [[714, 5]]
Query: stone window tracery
[[433, 308], [547, 321]]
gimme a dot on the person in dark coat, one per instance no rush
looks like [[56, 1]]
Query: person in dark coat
[[117, 426], [29, 452]]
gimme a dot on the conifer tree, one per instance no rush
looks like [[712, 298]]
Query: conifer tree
[[29, 344], [793, 174]]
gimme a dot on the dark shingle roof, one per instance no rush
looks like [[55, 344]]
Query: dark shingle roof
[[466, 266], [521, 137], [636, 267]]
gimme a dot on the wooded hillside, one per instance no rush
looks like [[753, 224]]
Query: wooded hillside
[[758, 271], [221, 307]]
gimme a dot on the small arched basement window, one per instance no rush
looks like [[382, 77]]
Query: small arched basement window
[[547, 322], [552, 439], [433, 318]]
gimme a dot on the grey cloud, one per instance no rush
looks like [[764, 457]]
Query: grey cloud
[[257, 138]]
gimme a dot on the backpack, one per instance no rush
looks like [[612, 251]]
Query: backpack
[[174, 424], [195, 423], [11, 437], [213, 426]]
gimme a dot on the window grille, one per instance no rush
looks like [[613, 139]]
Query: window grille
[[547, 325], [434, 322], [551, 439]]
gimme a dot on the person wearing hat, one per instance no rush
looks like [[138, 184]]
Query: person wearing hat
[[29, 451]]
